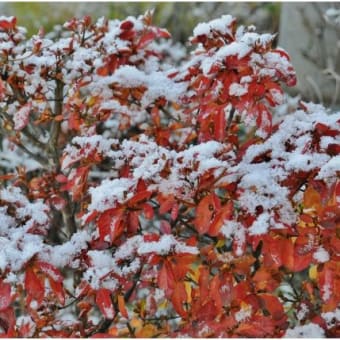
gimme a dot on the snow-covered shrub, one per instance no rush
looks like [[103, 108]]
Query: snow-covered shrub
[[143, 199]]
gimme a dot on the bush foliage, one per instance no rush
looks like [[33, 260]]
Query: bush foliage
[[140, 198]]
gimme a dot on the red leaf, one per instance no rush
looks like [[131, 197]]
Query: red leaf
[[174, 211], [58, 290], [104, 302], [139, 197], [51, 271], [27, 328], [166, 278], [165, 227], [151, 237], [7, 323], [162, 33], [273, 306], [148, 211], [166, 203], [8, 23], [5, 295], [219, 125], [263, 118], [132, 223], [126, 25], [34, 286], [146, 39], [179, 297], [110, 224], [258, 327]]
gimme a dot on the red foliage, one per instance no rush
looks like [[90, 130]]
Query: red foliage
[[156, 202]]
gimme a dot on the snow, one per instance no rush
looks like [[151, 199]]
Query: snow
[[83, 146], [260, 182], [310, 330], [164, 245], [235, 230], [156, 83], [239, 49], [63, 255], [18, 248], [221, 25], [238, 90], [321, 255], [244, 313], [261, 225], [128, 259], [326, 292], [111, 192], [303, 310], [332, 318], [331, 169]]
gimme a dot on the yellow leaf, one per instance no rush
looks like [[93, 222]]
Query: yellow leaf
[[187, 286], [163, 304], [220, 243], [313, 273], [91, 101]]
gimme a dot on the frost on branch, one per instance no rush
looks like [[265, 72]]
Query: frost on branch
[[139, 198]]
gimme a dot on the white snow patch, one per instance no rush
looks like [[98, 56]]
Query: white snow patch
[[310, 330], [321, 255]]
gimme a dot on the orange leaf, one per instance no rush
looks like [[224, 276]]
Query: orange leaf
[[215, 293], [166, 203], [205, 212], [121, 306], [312, 199], [147, 331], [223, 214], [291, 258], [203, 282]]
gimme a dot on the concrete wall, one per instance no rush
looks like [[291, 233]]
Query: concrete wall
[[313, 46]]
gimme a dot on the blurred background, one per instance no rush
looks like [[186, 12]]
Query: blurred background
[[309, 31]]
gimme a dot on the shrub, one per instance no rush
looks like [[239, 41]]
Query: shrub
[[144, 199]]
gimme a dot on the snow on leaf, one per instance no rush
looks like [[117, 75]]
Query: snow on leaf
[[21, 117], [104, 302], [5, 295]]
